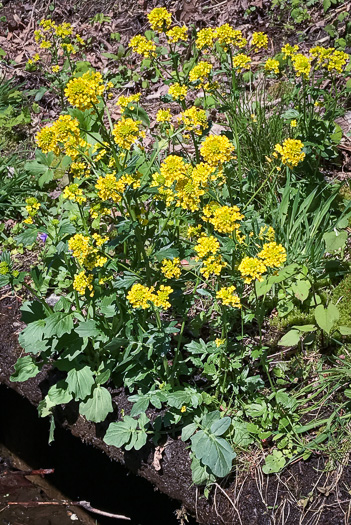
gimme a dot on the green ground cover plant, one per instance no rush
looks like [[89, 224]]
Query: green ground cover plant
[[163, 262]]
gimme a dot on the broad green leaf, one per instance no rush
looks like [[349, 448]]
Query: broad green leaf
[[221, 426], [25, 368], [213, 451], [80, 382], [32, 333], [301, 289], [188, 431], [59, 323], [96, 407], [335, 241], [87, 329], [292, 338], [119, 433], [345, 330], [326, 317], [275, 462], [305, 328]]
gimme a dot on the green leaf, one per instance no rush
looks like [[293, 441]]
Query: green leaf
[[326, 5], [25, 368], [59, 323], [96, 407], [326, 317], [32, 334], [188, 431], [263, 287], [28, 237], [87, 329], [292, 338], [200, 473], [305, 328], [301, 289], [345, 330], [275, 462], [335, 241], [213, 451], [80, 382], [220, 426]]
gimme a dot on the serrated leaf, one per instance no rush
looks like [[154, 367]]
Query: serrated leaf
[[96, 407]]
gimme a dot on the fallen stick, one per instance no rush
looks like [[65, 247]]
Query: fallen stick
[[85, 504], [38, 472]]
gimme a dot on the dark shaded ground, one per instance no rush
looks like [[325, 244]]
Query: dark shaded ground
[[303, 494]]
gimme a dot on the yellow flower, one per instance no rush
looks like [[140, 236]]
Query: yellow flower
[[219, 342], [289, 51], [291, 152], [171, 268], [83, 92], [273, 255], [183, 409], [226, 36], [228, 297], [163, 115], [200, 72], [55, 69], [74, 193], [161, 298], [251, 268], [69, 48], [47, 24], [225, 219], [301, 64], [216, 149], [32, 207], [259, 40], [194, 231], [123, 101], [36, 57], [126, 132], [140, 296], [177, 33], [177, 91], [110, 188], [64, 30], [266, 232], [46, 139], [142, 46], [82, 281], [206, 245], [293, 123], [204, 38], [272, 65], [45, 44], [80, 40], [159, 19], [194, 119], [85, 252], [213, 265], [241, 61], [172, 169]]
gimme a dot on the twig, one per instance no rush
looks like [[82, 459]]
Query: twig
[[38, 472], [85, 504]]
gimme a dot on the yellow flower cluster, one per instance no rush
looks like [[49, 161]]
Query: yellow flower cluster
[[32, 209], [225, 219], [194, 231], [272, 65], [226, 36], [177, 91], [171, 268], [194, 119], [329, 58], [216, 149], [289, 50], [213, 265], [200, 72], [159, 19], [62, 135], [83, 92], [259, 40], [74, 193], [228, 297], [85, 250], [302, 65], [163, 115], [82, 281], [110, 188], [142, 46], [266, 232], [123, 101], [273, 255], [141, 296], [206, 245], [126, 132], [177, 33], [251, 268], [204, 38], [242, 61], [291, 152]]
